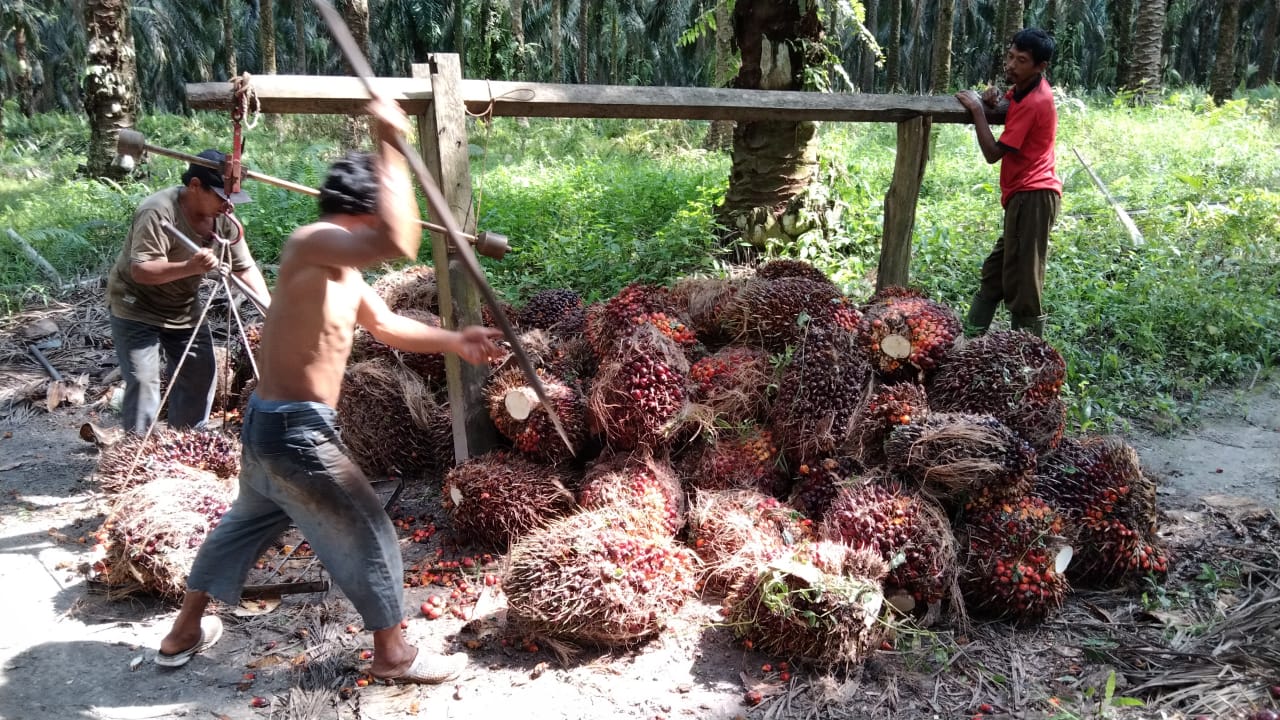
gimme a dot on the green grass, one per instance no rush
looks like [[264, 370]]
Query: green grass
[[594, 205]]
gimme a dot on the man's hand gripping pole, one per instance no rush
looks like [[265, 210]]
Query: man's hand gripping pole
[[440, 210]]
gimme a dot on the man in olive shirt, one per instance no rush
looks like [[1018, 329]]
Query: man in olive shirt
[[153, 296]]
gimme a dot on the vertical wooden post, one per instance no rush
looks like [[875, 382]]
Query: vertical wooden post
[[900, 202], [442, 137]]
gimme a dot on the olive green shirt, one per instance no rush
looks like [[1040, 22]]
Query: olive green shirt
[[172, 304]]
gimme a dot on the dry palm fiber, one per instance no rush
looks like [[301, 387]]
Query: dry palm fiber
[[413, 287], [535, 434], [391, 422], [888, 407], [818, 482], [593, 578], [736, 531], [643, 486], [614, 319], [705, 301], [134, 460], [496, 498], [430, 366], [558, 308], [791, 268], [1015, 556], [243, 367], [737, 461], [906, 337], [772, 314], [1097, 483], [910, 532], [734, 382], [819, 392], [156, 528], [956, 456], [640, 389], [818, 604], [1013, 375]]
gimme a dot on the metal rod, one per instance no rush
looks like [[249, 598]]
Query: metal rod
[[44, 363], [178, 235], [440, 209]]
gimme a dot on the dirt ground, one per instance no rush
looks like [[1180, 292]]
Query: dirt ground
[[70, 652]]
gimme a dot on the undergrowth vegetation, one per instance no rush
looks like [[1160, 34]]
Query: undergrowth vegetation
[[593, 205]]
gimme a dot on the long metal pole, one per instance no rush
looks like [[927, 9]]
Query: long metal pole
[[181, 237]]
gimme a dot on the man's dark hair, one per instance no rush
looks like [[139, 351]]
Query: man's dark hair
[[351, 187], [1036, 42]]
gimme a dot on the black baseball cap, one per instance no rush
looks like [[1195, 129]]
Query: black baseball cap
[[212, 179]]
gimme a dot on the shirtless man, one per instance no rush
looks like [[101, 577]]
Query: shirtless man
[[294, 466]]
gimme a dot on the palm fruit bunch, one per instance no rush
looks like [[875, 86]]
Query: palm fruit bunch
[[560, 309], [910, 532], [592, 578], [901, 292], [818, 483], [818, 603], [819, 393], [733, 382], [1013, 375], [747, 460], [956, 456], [791, 268], [430, 366], [518, 414], [136, 459], [246, 348], [907, 337], [646, 487], [573, 360], [1016, 556], [496, 498], [613, 320], [705, 301], [413, 287], [391, 422], [489, 319], [889, 407], [775, 313], [640, 389], [155, 529], [1097, 483], [736, 531], [672, 327]]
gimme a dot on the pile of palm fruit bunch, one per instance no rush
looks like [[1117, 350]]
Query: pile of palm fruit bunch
[[766, 440], [1097, 483], [138, 459], [393, 422]]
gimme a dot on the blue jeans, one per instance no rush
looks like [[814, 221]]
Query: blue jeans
[[138, 347], [295, 467]]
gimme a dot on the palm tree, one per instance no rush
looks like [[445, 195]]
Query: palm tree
[[267, 36], [773, 162], [1148, 41], [1267, 54], [356, 14], [110, 83], [1121, 16], [300, 36], [584, 40], [1225, 64], [942, 46], [894, 47], [557, 47], [868, 59], [229, 38], [720, 132], [517, 38]]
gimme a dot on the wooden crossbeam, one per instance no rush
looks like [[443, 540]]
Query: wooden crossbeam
[[324, 94]]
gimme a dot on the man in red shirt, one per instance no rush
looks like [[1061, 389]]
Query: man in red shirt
[[1030, 189]]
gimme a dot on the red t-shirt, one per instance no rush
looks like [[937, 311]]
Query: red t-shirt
[[1030, 129]]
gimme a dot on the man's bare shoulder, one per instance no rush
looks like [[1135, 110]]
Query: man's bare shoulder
[[318, 228]]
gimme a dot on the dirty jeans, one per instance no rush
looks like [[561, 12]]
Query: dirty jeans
[[295, 467], [138, 347]]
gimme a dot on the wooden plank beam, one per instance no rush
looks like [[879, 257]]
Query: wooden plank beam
[[345, 95], [900, 202], [442, 137]]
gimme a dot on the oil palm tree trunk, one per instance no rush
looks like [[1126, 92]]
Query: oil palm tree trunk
[[584, 40], [1148, 40], [1224, 65], [1267, 55], [720, 132], [267, 35], [26, 104], [868, 76], [557, 41], [893, 51], [300, 36], [942, 46], [1121, 12], [517, 37], [110, 82], [773, 162], [229, 38], [356, 14], [459, 25]]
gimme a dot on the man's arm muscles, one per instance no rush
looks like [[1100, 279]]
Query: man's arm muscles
[[399, 331]]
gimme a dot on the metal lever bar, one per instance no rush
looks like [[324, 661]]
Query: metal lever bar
[[131, 143], [181, 237], [440, 209]]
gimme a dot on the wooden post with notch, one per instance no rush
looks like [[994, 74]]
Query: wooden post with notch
[[900, 201], [442, 138]]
